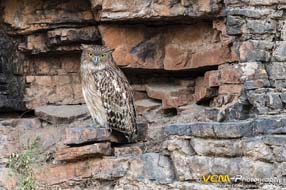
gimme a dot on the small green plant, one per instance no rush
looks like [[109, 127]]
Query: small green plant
[[22, 164]]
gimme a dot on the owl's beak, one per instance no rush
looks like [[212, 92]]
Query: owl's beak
[[95, 59]]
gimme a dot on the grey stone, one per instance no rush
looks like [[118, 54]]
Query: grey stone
[[212, 129], [237, 111], [261, 26], [278, 83], [283, 97], [253, 71], [279, 153], [258, 83], [191, 167], [11, 82], [217, 148], [274, 101], [233, 129], [256, 149], [276, 70], [152, 166], [61, 114], [255, 51], [179, 146], [234, 25], [249, 12], [281, 169], [258, 101], [269, 125], [279, 53], [282, 29]]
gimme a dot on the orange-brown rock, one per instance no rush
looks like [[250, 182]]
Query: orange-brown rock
[[87, 151], [123, 10], [83, 135], [8, 179], [57, 40], [230, 89], [230, 74], [211, 56], [132, 49], [65, 36], [145, 105], [107, 169], [32, 15], [174, 48], [172, 95], [203, 91], [212, 78]]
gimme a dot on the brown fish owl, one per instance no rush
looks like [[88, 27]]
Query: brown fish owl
[[107, 92]]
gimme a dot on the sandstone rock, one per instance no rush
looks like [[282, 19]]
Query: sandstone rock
[[153, 10], [79, 135], [126, 53], [172, 95], [212, 78], [82, 152], [215, 56], [105, 169], [12, 131], [155, 53], [145, 105], [230, 74], [230, 89], [61, 114], [8, 180], [57, 40], [73, 35], [202, 91], [28, 16]]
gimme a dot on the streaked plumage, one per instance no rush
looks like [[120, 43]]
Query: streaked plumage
[[106, 91]]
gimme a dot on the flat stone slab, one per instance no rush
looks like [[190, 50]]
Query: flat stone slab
[[87, 151], [145, 105], [89, 134], [61, 114], [79, 135]]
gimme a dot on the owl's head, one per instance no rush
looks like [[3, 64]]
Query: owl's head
[[97, 56]]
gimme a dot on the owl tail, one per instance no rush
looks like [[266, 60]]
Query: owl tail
[[132, 138]]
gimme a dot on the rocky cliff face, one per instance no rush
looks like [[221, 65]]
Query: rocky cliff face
[[214, 66]]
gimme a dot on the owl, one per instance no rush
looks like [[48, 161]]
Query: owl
[[106, 91]]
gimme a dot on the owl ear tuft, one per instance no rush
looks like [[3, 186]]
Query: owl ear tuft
[[111, 50], [83, 46]]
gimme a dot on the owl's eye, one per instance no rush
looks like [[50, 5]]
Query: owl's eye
[[90, 55], [102, 55]]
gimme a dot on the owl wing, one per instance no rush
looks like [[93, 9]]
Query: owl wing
[[117, 98]]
